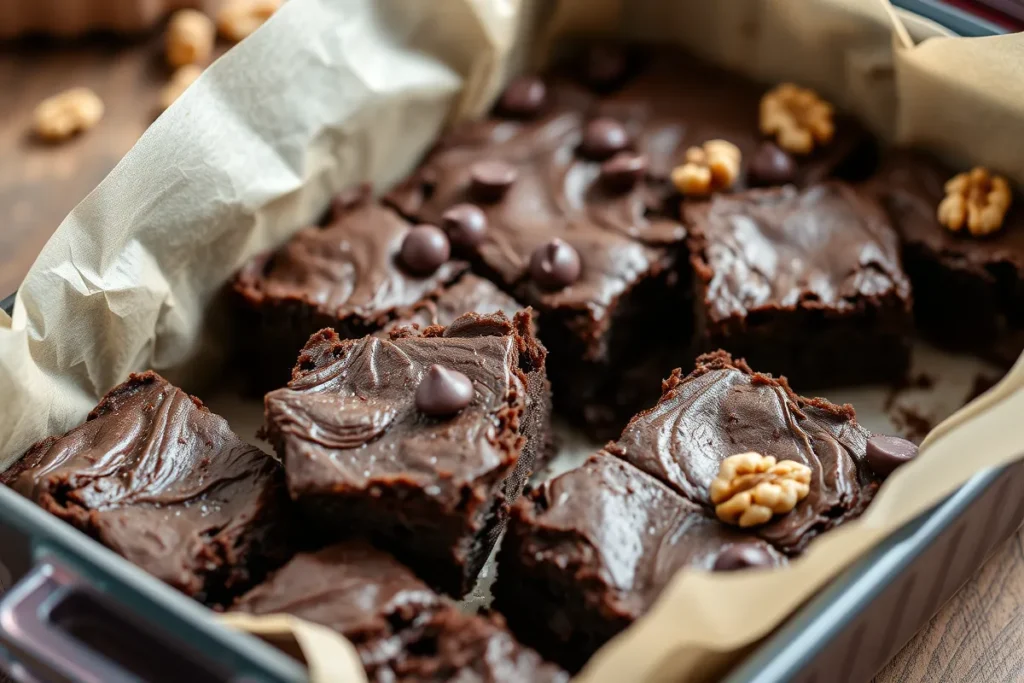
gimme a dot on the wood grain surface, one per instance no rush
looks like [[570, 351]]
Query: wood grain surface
[[978, 636]]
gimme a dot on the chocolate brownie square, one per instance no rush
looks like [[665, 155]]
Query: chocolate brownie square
[[420, 442], [159, 479], [347, 275], [968, 290], [469, 294], [535, 202], [792, 279], [588, 552], [402, 630]]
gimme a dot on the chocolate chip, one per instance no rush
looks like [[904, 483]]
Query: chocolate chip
[[602, 138], [885, 453], [466, 224], [771, 165], [491, 179], [605, 66], [743, 556], [523, 98], [555, 265], [424, 249], [443, 391], [623, 171]]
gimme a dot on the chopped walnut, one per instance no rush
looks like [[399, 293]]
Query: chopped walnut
[[190, 35], [713, 166], [180, 80], [238, 18], [72, 111], [751, 487], [797, 118], [977, 199]]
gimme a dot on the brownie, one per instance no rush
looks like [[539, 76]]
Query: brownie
[[588, 552], [469, 294], [805, 283], [968, 290], [364, 456], [402, 630], [594, 316], [159, 479], [345, 275]]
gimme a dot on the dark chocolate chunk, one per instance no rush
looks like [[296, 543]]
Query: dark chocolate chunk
[[602, 138], [465, 224], [524, 97], [623, 171], [555, 265], [886, 453], [743, 556], [424, 249], [443, 391], [491, 179], [771, 165]]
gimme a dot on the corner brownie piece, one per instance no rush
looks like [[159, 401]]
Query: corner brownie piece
[[582, 241], [346, 275], [402, 630], [588, 552], [794, 279], [968, 291], [160, 480], [364, 456]]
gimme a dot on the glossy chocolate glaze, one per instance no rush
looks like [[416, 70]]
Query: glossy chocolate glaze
[[402, 630], [723, 408], [471, 294], [156, 477]]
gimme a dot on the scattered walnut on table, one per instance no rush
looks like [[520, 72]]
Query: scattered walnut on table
[[180, 80], [189, 40], [73, 111], [238, 18], [978, 199], [797, 118], [713, 166], [750, 488]]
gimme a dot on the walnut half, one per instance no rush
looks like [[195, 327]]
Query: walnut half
[[797, 118], [751, 487], [978, 199], [715, 165]]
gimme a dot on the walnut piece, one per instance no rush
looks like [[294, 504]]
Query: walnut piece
[[189, 40], [64, 114], [978, 199], [180, 80], [797, 118], [713, 166], [751, 487], [238, 18]]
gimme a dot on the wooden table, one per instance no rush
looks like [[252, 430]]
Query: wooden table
[[978, 635]]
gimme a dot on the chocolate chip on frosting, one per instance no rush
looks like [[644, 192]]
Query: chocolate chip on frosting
[[742, 556], [465, 224], [555, 265], [491, 179], [424, 249], [602, 138], [885, 453], [771, 165], [523, 98], [443, 391], [623, 171]]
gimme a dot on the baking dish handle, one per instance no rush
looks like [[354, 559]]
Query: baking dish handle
[[31, 634]]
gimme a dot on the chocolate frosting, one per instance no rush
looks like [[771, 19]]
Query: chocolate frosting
[[723, 408], [347, 268], [826, 246], [609, 524], [401, 629], [471, 294], [159, 479], [348, 418]]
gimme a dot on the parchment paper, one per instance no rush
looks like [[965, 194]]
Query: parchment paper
[[331, 92]]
